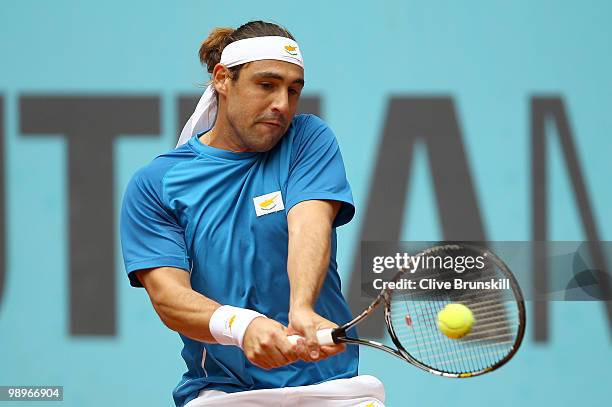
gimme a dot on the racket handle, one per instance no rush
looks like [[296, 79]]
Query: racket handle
[[324, 336]]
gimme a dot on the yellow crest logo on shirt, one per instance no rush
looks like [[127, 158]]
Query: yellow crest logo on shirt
[[268, 203]]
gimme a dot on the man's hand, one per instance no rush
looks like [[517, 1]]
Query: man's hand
[[265, 344], [305, 322]]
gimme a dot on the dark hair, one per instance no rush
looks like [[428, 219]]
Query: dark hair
[[219, 38]]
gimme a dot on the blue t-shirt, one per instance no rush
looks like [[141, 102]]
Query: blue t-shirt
[[223, 216]]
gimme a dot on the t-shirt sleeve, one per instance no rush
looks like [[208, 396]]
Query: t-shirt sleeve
[[317, 170], [150, 234]]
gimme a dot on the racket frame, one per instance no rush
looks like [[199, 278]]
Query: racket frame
[[339, 334]]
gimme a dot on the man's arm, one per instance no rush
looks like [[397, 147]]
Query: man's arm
[[179, 307], [184, 310], [310, 226]]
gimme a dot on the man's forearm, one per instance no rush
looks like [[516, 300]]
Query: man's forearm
[[180, 307], [310, 225], [307, 264], [187, 312], [192, 314], [310, 230]]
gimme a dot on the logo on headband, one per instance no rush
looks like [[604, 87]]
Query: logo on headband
[[291, 50]]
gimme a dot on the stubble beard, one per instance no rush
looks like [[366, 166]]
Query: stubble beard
[[255, 140]]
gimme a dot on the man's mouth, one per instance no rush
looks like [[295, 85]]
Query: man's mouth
[[270, 123]]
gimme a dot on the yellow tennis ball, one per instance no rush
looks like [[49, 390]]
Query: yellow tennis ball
[[455, 320]]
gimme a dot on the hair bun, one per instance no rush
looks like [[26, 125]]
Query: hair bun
[[212, 46]]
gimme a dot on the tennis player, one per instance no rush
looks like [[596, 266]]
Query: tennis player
[[233, 235]]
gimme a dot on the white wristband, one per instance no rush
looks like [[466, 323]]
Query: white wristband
[[228, 324]]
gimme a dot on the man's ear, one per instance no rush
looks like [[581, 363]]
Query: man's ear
[[220, 77]]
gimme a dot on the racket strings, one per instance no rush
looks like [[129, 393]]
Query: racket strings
[[480, 349], [428, 314], [484, 334]]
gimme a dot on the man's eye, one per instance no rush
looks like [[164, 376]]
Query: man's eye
[[266, 85], [293, 91]]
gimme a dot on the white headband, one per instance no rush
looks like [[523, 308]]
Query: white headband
[[238, 53]]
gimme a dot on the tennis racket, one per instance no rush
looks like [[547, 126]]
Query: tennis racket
[[411, 318]]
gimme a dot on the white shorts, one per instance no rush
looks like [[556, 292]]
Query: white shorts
[[359, 391]]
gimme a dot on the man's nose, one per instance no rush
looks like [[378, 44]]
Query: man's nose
[[281, 102]]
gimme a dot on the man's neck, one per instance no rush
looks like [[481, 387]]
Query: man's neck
[[221, 136]]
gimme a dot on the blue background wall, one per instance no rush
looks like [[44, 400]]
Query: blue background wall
[[489, 57]]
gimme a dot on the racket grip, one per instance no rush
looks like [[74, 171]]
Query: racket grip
[[324, 336]]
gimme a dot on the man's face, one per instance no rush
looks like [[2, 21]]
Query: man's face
[[261, 103]]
